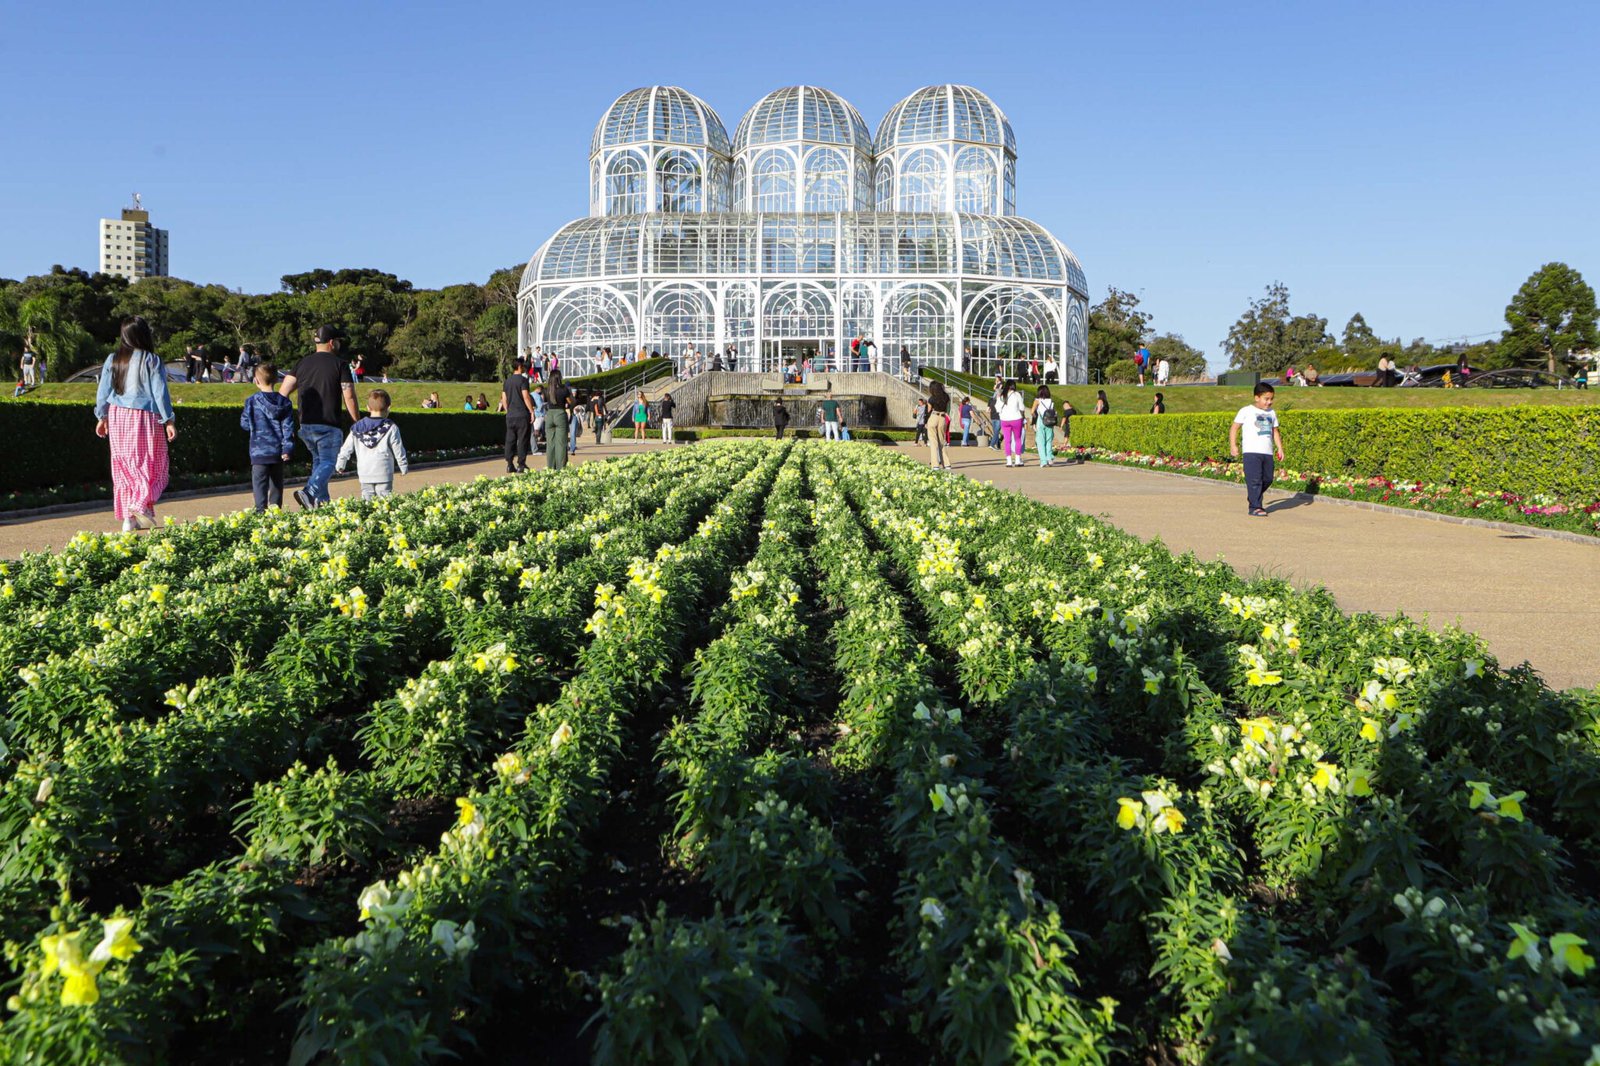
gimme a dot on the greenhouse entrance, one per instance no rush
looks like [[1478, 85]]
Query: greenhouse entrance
[[777, 354]]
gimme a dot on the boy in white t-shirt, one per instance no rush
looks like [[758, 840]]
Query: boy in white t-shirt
[[1261, 442]]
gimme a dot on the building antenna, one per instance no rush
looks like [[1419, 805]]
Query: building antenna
[[138, 203]]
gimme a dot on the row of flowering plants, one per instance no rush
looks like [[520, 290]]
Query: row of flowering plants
[[936, 768], [748, 812], [308, 825], [986, 955], [1542, 509], [1344, 754], [437, 939]]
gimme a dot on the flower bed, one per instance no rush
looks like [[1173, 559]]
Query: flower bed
[[1541, 509], [757, 750]]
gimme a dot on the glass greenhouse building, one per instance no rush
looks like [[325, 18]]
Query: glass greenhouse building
[[804, 232]]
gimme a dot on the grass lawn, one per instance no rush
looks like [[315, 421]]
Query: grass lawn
[[1187, 399]]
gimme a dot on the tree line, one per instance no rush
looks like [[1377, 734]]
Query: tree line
[[1549, 318], [457, 333]]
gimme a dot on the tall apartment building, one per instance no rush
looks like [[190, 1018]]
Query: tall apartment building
[[131, 246]]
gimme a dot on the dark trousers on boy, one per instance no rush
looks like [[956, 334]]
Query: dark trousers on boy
[[1258, 470], [267, 481]]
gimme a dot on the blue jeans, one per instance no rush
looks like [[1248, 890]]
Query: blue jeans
[[323, 442], [966, 432]]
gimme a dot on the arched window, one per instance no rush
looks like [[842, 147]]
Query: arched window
[[772, 181], [587, 318], [922, 181], [625, 182], [678, 181], [1011, 188], [919, 318], [885, 193], [796, 310], [975, 182], [595, 204], [740, 192], [679, 316], [827, 181], [1007, 327]]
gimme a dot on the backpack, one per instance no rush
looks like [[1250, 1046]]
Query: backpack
[[1048, 416]]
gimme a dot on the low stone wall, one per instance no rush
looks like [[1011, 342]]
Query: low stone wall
[[691, 397]]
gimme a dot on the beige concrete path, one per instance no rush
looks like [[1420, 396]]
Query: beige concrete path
[[1532, 598], [52, 531]]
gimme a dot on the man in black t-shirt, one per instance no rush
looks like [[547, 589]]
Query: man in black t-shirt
[[519, 417], [322, 380]]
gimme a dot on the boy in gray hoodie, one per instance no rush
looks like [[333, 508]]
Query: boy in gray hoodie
[[375, 443]]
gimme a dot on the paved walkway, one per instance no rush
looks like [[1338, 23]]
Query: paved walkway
[[1532, 598], [52, 531]]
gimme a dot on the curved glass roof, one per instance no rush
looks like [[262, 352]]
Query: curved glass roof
[[946, 113], [864, 242], [802, 113], [660, 114]]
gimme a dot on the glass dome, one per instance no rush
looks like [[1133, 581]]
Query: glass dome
[[802, 148], [658, 148], [802, 113], [945, 113], [946, 148], [660, 114]]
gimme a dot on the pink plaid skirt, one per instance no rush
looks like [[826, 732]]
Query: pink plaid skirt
[[138, 460]]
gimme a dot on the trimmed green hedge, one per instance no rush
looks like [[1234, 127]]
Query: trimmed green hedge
[[52, 442], [627, 374], [1524, 450]]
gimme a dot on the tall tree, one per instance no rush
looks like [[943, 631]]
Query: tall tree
[[1184, 359], [1266, 339], [1549, 318], [1358, 337], [1116, 328]]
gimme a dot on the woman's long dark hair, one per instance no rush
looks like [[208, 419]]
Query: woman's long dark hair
[[936, 393], [136, 337]]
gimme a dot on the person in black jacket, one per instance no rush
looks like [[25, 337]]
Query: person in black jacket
[[780, 417]]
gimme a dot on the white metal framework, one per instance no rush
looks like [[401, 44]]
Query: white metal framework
[[769, 243]]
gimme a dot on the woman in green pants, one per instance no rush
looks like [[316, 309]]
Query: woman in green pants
[[558, 398]]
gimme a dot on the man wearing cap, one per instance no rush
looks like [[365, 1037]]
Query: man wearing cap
[[323, 381]]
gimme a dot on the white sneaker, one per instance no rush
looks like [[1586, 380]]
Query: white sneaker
[[127, 525]]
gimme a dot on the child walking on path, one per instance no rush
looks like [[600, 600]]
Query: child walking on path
[[1261, 442], [269, 419], [375, 443]]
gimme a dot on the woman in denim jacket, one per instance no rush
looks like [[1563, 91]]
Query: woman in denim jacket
[[134, 409]]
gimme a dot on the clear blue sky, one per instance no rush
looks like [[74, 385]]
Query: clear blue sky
[[1414, 162]]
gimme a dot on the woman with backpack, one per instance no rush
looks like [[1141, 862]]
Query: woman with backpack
[[1045, 418], [133, 409]]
